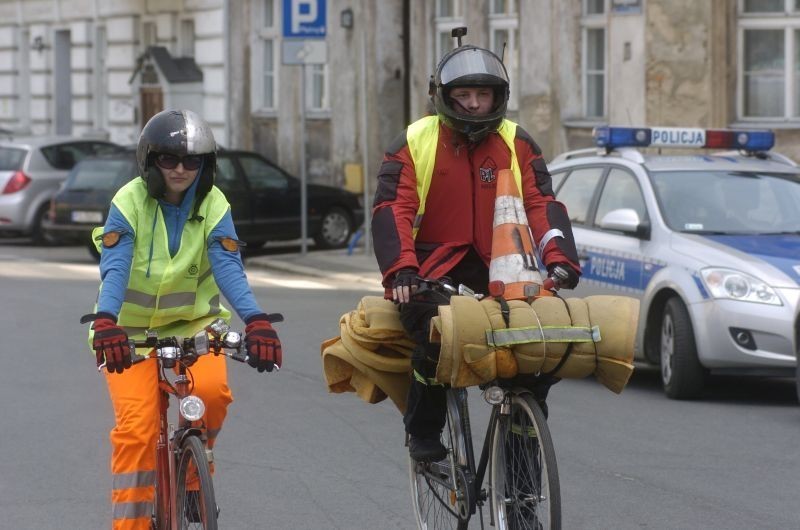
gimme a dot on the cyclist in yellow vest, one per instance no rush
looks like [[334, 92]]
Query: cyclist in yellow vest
[[168, 248], [434, 210]]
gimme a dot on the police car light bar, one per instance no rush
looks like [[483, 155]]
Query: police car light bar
[[613, 137]]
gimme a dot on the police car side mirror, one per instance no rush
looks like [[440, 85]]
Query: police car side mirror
[[626, 220]]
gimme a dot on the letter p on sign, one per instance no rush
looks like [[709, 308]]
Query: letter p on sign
[[303, 12]]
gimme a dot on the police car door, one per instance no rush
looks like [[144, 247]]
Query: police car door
[[611, 259], [615, 255]]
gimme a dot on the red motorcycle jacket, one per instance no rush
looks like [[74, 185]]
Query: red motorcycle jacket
[[459, 209]]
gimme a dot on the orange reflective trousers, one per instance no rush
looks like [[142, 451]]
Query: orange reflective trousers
[[134, 394]]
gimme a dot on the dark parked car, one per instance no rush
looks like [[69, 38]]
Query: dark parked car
[[265, 200]]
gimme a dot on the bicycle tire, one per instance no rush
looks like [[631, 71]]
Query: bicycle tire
[[436, 505], [524, 484], [194, 511]]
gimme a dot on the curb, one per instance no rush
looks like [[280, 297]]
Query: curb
[[284, 266]]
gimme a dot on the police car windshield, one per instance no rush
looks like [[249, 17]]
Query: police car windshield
[[727, 202]]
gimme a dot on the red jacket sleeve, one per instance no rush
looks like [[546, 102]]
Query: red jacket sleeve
[[393, 211], [547, 217]]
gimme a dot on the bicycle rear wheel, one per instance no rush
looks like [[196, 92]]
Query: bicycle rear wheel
[[524, 482], [194, 508], [439, 491]]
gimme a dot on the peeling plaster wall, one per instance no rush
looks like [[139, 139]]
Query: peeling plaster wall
[[678, 70]]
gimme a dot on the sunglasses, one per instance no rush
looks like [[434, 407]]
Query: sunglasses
[[190, 162]]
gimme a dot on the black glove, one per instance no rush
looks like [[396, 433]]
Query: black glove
[[564, 275], [264, 351], [110, 344], [405, 283]]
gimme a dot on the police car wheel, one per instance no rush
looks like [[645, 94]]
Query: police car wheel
[[682, 374]]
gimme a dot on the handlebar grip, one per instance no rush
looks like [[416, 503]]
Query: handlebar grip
[[240, 354]]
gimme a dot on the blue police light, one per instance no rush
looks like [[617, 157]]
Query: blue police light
[[751, 141], [613, 137]]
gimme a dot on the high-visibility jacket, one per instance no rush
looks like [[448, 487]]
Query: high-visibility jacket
[[436, 192], [174, 295]]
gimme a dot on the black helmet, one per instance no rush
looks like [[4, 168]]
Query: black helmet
[[176, 132], [470, 66]]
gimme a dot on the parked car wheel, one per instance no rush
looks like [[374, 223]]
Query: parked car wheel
[[681, 373], [40, 237], [336, 229]]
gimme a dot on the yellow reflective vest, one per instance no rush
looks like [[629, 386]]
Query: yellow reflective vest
[[178, 295], [423, 139]]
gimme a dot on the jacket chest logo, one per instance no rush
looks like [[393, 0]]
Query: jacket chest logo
[[487, 174], [192, 270]]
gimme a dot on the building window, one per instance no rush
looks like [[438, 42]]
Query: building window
[[593, 67], [504, 42], [317, 87], [187, 38], [266, 56], [448, 16], [769, 59], [149, 34]]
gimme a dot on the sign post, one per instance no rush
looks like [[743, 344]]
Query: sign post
[[304, 29]]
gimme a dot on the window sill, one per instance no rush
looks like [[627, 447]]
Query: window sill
[[765, 124], [586, 123], [265, 113]]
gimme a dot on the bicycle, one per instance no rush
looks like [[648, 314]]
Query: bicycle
[[181, 453], [523, 484]]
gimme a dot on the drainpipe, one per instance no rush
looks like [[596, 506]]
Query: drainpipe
[[407, 61]]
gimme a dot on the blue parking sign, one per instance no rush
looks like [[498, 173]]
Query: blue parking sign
[[304, 19]]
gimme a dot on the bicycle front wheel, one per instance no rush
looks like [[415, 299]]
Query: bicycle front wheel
[[524, 483], [439, 490], [195, 505]]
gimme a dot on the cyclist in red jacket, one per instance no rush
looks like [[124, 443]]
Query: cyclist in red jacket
[[433, 213]]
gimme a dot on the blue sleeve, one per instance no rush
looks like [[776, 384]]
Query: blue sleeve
[[228, 271], [115, 264]]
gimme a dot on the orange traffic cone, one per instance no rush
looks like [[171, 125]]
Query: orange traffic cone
[[513, 271]]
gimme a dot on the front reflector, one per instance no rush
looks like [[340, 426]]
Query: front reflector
[[494, 395], [192, 408]]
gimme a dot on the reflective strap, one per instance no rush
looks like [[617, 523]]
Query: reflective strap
[[139, 298], [425, 381], [168, 301], [204, 276], [132, 510], [509, 336], [550, 234], [135, 479]]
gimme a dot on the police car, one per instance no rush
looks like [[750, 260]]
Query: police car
[[709, 242]]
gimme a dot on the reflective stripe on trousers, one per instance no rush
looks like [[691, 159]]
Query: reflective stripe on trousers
[[134, 394]]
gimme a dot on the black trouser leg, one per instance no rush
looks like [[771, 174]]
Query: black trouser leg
[[427, 404]]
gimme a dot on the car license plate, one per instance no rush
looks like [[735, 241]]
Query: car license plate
[[79, 216]]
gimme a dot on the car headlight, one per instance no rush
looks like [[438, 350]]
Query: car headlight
[[735, 285]]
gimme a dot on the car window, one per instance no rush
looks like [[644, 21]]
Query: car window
[[620, 191], [11, 158], [227, 179], [65, 156], [261, 175], [101, 174], [577, 191], [729, 202], [557, 178]]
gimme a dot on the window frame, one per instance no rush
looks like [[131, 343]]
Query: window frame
[[183, 39], [593, 22], [259, 75], [508, 21], [600, 191], [787, 20]]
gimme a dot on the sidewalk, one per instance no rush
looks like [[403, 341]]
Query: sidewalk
[[336, 264]]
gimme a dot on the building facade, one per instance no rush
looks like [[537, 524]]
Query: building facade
[[102, 68]]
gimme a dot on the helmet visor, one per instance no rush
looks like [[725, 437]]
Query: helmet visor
[[473, 66]]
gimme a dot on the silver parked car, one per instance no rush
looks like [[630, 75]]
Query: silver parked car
[[710, 244], [31, 172]]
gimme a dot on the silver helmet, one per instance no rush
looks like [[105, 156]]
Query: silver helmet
[[180, 133], [470, 66]]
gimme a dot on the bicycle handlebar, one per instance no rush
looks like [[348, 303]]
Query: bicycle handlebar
[[216, 338]]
